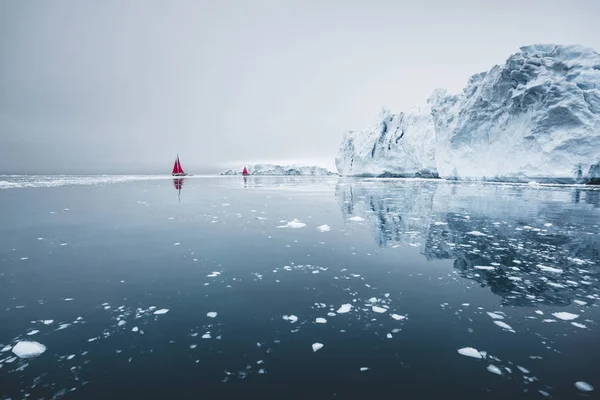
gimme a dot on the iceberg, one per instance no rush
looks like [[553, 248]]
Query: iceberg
[[277, 170], [537, 117]]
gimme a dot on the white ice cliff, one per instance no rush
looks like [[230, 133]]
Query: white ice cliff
[[272, 169], [535, 117]]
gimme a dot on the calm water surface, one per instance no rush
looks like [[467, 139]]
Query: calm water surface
[[253, 281]]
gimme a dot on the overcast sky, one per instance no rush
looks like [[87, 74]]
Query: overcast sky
[[123, 86]]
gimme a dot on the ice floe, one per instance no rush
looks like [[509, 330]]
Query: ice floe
[[324, 228], [476, 233], [565, 316], [161, 311], [379, 310], [33, 332], [26, 349], [578, 325], [344, 308], [363, 369], [317, 346], [211, 314], [494, 370], [321, 321], [469, 352], [549, 269], [398, 317], [356, 218], [584, 386], [485, 267], [214, 274], [504, 325], [495, 316], [294, 224]]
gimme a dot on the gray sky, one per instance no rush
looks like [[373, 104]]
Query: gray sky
[[122, 86]]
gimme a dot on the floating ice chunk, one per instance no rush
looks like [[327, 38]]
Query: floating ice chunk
[[389, 336], [48, 321], [69, 299], [578, 325], [214, 274], [331, 314], [206, 335], [363, 369], [324, 228], [33, 332], [373, 300], [495, 316], [580, 303], [504, 325], [476, 233], [523, 370], [584, 386], [176, 244], [211, 314], [469, 352], [72, 356], [260, 362], [549, 269], [25, 349], [262, 371], [548, 320], [292, 318], [344, 308], [24, 258], [356, 218], [398, 317], [321, 321], [294, 224], [161, 311], [485, 267], [565, 316], [494, 370], [6, 348], [539, 312], [317, 346], [556, 285], [121, 323], [379, 310], [135, 329]]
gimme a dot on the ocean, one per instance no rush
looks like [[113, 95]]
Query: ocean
[[136, 287]]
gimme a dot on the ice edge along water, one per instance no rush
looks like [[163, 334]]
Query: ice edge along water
[[535, 117]]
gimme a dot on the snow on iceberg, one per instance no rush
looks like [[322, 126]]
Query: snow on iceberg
[[274, 169], [537, 117]]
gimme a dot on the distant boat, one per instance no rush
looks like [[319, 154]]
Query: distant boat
[[245, 172], [177, 170]]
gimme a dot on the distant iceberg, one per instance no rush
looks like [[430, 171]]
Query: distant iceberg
[[537, 117], [273, 169]]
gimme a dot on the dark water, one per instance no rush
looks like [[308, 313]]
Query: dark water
[[99, 260]]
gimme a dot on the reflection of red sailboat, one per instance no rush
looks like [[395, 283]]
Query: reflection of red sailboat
[[245, 172], [178, 183], [177, 170]]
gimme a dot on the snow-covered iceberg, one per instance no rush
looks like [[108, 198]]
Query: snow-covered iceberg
[[273, 169], [535, 117]]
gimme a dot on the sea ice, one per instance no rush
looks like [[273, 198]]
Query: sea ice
[[469, 352], [363, 369], [495, 316], [294, 224], [324, 228], [211, 314], [550, 269], [121, 323], [72, 356], [539, 312], [503, 325], [523, 370], [25, 349], [485, 267], [135, 329], [317, 346], [476, 233], [161, 311], [214, 274], [48, 321], [206, 335], [578, 325], [356, 218], [584, 386], [379, 310], [494, 370], [565, 316], [398, 317], [33, 332], [344, 308], [321, 321], [580, 303]]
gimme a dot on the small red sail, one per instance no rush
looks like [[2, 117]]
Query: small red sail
[[177, 170], [245, 172]]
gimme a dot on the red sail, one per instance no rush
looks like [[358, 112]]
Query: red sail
[[177, 167], [245, 172]]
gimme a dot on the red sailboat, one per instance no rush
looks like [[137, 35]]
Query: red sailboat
[[245, 172], [177, 170]]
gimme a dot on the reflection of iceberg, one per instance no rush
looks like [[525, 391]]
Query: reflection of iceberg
[[529, 245]]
